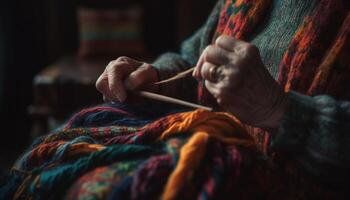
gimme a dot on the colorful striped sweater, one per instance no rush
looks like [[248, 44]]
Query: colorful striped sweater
[[305, 45]]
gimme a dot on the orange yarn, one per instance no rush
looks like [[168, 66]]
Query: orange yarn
[[244, 21], [204, 125], [191, 156], [220, 125], [324, 71], [80, 149]]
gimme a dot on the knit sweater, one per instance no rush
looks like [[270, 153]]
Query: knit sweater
[[277, 31], [313, 129]]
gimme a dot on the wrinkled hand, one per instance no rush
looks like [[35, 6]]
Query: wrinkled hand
[[125, 73], [235, 75]]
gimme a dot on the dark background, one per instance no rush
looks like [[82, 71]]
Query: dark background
[[33, 34]]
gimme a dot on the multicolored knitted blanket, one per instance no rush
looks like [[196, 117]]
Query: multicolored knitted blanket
[[184, 155], [187, 155]]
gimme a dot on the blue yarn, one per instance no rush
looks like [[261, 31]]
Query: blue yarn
[[63, 148], [108, 118], [53, 182], [9, 184], [122, 190], [143, 113], [22, 163]]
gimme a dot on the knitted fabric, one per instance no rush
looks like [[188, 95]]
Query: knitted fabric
[[196, 154], [301, 67], [111, 152], [273, 35], [52, 165]]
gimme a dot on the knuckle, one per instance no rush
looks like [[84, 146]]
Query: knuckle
[[208, 51], [110, 65], [220, 38], [110, 68], [223, 39], [209, 48], [147, 67], [123, 59], [99, 85], [114, 68]]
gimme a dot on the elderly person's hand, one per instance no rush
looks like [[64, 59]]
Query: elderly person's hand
[[125, 73], [235, 75]]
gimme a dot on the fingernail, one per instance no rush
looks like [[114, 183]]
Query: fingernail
[[195, 75]]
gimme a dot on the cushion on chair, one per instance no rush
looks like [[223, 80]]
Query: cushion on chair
[[109, 32]]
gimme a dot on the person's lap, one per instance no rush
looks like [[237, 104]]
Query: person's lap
[[122, 114]]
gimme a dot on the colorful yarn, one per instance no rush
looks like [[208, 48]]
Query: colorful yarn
[[191, 156], [149, 179], [121, 152], [301, 68], [134, 114], [330, 70], [99, 182], [311, 42], [239, 17], [53, 182], [55, 163]]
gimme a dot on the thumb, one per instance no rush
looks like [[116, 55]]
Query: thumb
[[141, 77]]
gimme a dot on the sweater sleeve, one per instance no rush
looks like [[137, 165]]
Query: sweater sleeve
[[169, 64], [315, 132]]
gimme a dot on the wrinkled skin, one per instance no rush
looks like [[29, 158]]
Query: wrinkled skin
[[242, 85], [125, 74]]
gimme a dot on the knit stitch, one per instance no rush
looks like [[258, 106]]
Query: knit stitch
[[121, 152]]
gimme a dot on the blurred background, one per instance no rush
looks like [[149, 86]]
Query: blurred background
[[52, 51]]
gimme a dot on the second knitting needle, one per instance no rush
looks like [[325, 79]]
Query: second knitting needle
[[178, 76], [163, 98]]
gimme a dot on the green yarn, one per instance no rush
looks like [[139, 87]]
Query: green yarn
[[53, 182], [275, 34]]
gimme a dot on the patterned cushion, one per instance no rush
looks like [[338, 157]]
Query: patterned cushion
[[109, 32]]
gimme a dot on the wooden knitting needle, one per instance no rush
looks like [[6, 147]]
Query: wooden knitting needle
[[167, 99], [178, 76]]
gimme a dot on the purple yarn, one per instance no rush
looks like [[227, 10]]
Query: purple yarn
[[137, 115]]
